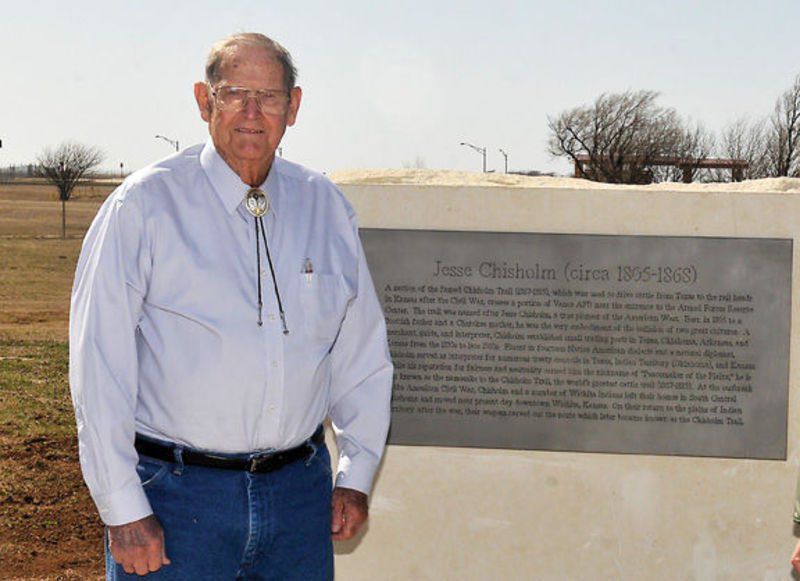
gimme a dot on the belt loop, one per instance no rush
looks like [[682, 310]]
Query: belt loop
[[314, 447], [177, 453]]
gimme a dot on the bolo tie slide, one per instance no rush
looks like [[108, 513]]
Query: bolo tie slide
[[257, 204]]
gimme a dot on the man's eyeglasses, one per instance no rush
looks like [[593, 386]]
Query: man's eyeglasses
[[274, 101]]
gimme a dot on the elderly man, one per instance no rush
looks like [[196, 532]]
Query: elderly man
[[222, 309]]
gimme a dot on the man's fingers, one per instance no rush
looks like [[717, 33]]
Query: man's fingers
[[337, 509], [164, 559], [138, 546], [350, 524], [339, 529], [143, 560], [351, 521], [796, 557], [155, 558], [140, 567], [156, 552], [349, 513]]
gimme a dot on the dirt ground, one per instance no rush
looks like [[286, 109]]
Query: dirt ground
[[49, 527]]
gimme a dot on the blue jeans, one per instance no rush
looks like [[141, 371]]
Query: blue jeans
[[232, 524]]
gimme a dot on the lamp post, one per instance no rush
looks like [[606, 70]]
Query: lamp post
[[505, 156], [172, 142], [481, 150]]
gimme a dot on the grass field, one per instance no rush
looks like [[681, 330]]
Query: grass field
[[49, 528]]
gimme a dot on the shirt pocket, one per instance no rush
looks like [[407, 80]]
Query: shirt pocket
[[323, 298]]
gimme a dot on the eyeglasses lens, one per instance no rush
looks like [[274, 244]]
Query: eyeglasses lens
[[268, 101]]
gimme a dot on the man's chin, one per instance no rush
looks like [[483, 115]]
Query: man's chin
[[253, 154]]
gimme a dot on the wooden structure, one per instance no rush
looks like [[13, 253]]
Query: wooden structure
[[687, 166]]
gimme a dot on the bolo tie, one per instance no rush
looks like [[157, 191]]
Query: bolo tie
[[257, 204]]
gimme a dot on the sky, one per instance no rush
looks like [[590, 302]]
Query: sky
[[385, 84]]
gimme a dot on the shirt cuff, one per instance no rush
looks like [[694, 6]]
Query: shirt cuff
[[356, 475], [123, 506]]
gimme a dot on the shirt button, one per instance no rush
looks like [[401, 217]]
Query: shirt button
[[274, 363], [271, 409], [271, 317]]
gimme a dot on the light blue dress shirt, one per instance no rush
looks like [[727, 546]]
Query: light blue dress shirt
[[164, 338]]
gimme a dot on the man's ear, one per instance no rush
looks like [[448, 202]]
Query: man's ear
[[203, 100], [295, 96]]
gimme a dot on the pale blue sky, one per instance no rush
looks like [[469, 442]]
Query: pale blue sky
[[385, 82]]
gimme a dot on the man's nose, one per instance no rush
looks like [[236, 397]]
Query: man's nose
[[251, 107]]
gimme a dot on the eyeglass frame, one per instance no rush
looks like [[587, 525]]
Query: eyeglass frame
[[251, 94]]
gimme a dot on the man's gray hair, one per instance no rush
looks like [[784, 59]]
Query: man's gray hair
[[226, 45]]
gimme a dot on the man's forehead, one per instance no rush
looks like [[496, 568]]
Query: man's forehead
[[242, 56]]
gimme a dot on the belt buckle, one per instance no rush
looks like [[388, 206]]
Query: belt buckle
[[256, 462]]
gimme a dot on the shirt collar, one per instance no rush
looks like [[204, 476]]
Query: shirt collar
[[229, 186]]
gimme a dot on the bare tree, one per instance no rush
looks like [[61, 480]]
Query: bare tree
[[618, 138], [418, 163], [65, 166], [783, 141], [747, 140], [691, 143]]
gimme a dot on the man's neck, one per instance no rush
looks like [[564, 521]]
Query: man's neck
[[252, 173]]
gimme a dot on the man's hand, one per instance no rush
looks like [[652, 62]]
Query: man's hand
[[138, 546], [349, 513], [796, 557]]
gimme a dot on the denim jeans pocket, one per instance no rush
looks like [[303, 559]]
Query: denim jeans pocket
[[151, 471]]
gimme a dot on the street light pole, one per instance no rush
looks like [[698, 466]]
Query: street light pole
[[481, 150], [505, 155], [172, 142]]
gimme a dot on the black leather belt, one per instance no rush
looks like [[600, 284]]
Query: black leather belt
[[267, 462]]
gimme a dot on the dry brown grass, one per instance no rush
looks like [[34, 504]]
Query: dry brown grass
[[30, 210], [49, 528]]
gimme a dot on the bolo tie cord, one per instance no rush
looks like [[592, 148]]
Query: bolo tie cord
[[258, 272], [257, 204], [259, 221]]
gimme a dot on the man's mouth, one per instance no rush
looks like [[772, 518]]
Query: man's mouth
[[249, 131]]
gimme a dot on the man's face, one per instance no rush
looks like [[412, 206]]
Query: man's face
[[247, 135]]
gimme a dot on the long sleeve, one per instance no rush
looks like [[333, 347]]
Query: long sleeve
[[361, 386], [109, 288]]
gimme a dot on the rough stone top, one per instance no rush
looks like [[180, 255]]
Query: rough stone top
[[428, 177]]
